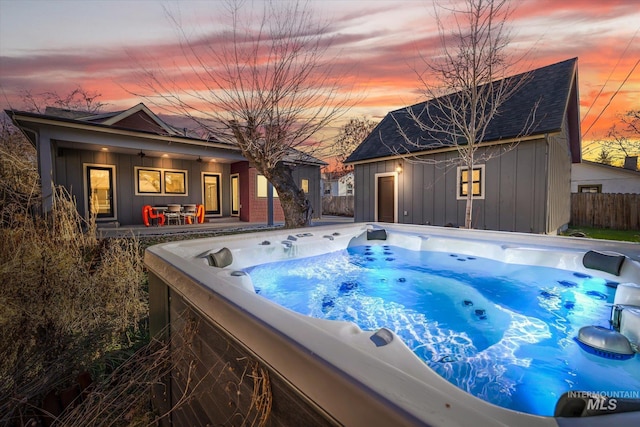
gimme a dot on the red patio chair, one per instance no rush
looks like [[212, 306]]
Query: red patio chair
[[200, 213], [148, 213]]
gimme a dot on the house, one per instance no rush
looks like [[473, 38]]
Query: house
[[345, 185], [115, 163], [592, 177], [525, 188], [337, 185]]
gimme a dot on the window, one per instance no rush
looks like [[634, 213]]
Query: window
[[477, 179], [593, 188], [261, 185], [235, 194], [149, 181], [156, 181], [304, 186], [175, 182], [99, 190], [211, 193]]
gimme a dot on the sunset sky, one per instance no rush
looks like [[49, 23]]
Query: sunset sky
[[58, 45]]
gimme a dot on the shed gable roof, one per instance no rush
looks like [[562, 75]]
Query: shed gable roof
[[553, 87]]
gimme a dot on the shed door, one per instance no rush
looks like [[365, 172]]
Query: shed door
[[386, 198]]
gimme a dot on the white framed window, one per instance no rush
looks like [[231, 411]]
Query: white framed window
[[591, 188], [160, 182], [476, 176], [304, 185], [261, 187]]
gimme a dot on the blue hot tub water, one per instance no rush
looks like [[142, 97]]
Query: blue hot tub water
[[503, 332]]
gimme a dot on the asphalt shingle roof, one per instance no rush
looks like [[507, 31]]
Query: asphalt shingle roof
[[550, 86]]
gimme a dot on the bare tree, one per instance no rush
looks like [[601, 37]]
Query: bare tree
[[465, 86], [623, 138], [265, 83], [604, 156], [350, 136], [79, 99]]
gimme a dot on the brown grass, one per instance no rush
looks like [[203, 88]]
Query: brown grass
[[67, 299]]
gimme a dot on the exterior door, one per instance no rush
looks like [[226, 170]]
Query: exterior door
[[211, 196], [235, 195], [386, 199], [100, 191]]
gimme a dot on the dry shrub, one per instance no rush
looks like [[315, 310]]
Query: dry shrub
[[67, 299]]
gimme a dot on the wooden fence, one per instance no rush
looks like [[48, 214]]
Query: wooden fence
[[337, 205], [606, 210]]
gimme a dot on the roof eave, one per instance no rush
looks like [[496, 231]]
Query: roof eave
[[537, 135], [26, 117]]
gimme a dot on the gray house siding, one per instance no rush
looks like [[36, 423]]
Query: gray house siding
[[559, 187], [69, 172], [312, 173], [515, 189]]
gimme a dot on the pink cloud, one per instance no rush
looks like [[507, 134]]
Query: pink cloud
[[375, 58]]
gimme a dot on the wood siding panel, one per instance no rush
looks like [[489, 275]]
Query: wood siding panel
[[559, 184], [416, 209], [311, 173], [506, 194], [428, 194], [491, 207], [525, 188], [539, 211]]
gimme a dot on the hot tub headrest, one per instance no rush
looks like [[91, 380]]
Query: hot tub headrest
[[220, 259], [603, 262], [379, 234]]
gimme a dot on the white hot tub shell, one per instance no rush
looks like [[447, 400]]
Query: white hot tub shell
[[357, 377]]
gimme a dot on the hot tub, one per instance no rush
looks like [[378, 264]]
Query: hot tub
[[346, 375]]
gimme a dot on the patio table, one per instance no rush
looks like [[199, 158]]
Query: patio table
[[157, 210]]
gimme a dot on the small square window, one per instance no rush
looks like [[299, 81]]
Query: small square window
[[477, 182], [594, 188], [261, 189]]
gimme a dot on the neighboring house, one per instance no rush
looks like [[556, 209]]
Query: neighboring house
[[329, 184], [524, 189], [345, 185], [592, 177], [338, 186], [115, 163]]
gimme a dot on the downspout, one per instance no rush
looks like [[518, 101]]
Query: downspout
[[269, 203]]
